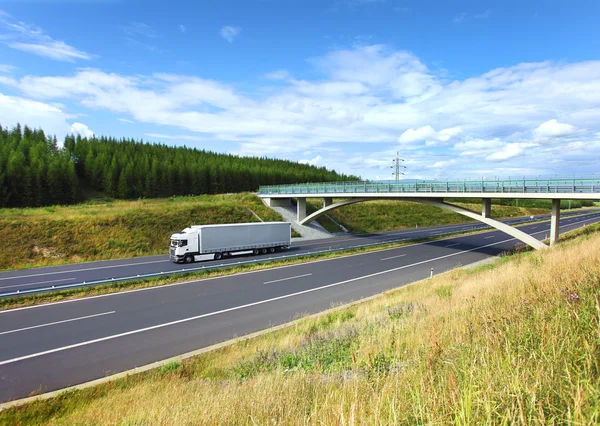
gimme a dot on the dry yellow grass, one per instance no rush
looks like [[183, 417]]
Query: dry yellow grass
[[516, 344]]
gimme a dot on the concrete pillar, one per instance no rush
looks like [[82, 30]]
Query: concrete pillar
[[555, 221], [301, 209], [279, 202], [327, 201], [486, 207]]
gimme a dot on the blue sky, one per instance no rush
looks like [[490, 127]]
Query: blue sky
[[459, 88]]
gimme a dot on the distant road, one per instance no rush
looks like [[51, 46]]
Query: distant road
[[100, 272], [53, 346]]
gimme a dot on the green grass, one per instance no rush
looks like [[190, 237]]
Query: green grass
[[108, 229], [379, 216], [312, 205], [512, 343], [115, 229]]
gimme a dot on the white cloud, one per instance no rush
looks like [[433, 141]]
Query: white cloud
[[478, 147], [459, 18], [34, 114], [552, 129], [278, 75], [367, 96], [427, 133], [124, 120], [56, 50], [182, 28], [31, 39], [6, 68], [313, 162], [137, 29], [400, 74], [443, 164], [509, 150], [229, 32], [463, 16], [447, 134], [81, 129], [416, 135]]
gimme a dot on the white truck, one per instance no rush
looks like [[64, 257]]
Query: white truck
[[196, 242]]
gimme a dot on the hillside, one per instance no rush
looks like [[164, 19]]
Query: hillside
[[511, 343], [380, 216], [116, 229], [35, 170]]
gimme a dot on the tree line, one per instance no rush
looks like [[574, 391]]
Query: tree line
[[36, 171]]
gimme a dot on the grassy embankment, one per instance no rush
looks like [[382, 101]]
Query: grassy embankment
[[116, 229], [379, 216], [511, 343]]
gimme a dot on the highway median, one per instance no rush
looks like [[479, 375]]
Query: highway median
[[94, 289]]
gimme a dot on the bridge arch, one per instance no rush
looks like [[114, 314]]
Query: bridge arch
[[513, 232]]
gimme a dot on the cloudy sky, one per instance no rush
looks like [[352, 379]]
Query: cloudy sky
[[462, 89]]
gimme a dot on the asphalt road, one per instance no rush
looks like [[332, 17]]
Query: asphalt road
[[55, 278], [49, 347]]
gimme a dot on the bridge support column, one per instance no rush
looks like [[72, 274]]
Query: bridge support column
[[555, 222], [279, 202], [486, 207], [301, 209], [327, 201]]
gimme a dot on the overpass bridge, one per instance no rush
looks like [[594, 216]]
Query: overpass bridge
[[434, 192]]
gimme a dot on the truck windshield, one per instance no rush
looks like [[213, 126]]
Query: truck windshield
[[178, 243]]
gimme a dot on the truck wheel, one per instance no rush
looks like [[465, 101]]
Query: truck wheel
[[272, 250], [218, 256], [188, 259], [264, 251], [255, 251]]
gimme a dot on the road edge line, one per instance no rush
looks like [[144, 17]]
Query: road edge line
[[230, 342]]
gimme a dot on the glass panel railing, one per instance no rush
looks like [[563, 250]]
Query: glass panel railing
[[505, 186]]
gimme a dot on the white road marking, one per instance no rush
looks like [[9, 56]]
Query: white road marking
[[394, 257], [285, 279], [236, 308], [82, 270], [121, 293], [452, 245], [40, 282], [56, 322], [535, 227], [491, 236]]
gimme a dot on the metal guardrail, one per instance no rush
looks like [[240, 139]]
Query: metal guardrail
[[474, 226], [199, 268], [553, 186]]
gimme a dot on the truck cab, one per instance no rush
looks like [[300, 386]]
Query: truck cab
[[184, 246]]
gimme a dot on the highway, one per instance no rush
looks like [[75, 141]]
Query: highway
[[48, 347], [35, 280]]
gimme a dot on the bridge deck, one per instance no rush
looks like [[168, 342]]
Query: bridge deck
[[541, 189]]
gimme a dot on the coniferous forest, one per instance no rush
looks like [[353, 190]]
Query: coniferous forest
[[36, 171]]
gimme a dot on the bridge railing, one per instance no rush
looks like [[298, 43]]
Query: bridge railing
[[556, 186]]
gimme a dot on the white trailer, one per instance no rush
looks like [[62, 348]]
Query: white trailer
[[225, 240]]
